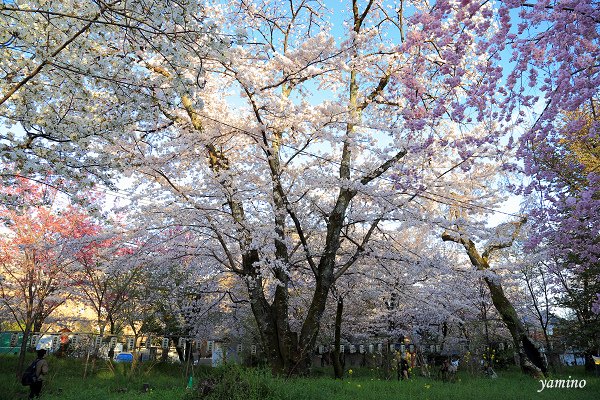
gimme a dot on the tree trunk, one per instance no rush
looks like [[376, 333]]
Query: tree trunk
[[111, 350], [553, 357], [37, 325], [338, 369], [531, 360], [23, 351], [113, 324], [180, 350], [590, 366], [288, 354]]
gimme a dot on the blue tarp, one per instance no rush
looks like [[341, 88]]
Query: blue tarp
[[124, 357]]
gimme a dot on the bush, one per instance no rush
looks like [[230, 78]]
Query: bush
[[233, 382]]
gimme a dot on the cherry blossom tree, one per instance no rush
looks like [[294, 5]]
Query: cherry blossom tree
[[39, 245], [555, 48], [292, 141], [106, 280], [563, 202], [63, 68], [169, 286], [415, 291], [292, 185], [553, 71], [543, 300], [531, 360]]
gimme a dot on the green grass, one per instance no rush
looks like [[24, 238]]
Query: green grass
[[107, 381], [168, 382], [508, 386]]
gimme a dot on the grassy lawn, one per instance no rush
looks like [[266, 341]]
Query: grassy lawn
[[168, 382]]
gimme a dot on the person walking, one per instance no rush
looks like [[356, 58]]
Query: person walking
[[41, 370]]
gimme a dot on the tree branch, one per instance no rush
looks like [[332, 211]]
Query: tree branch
[[359, 250], [37, 70]]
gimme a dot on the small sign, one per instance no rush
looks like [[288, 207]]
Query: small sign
[[165, 343], [130, 344], [253, 349]]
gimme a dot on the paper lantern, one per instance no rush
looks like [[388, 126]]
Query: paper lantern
[[55, 342]]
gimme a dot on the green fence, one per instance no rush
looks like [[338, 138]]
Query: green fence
[[10, 343]]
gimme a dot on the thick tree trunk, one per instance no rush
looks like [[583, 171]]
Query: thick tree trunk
[[287, 353], [266, 316], [338, 369], [531, 360]]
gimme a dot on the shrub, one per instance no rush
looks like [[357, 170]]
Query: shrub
[[233, 382]]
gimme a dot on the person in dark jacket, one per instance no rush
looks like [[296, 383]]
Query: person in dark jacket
[[41, 371]]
